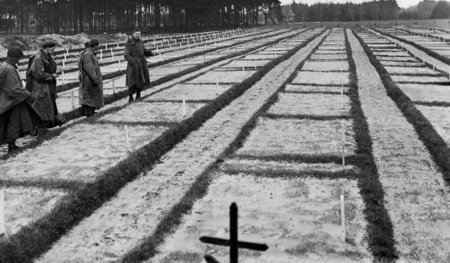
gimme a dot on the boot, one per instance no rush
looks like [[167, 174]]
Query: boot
[[130, 99], [138, 95], [12, 147], [41, 131]]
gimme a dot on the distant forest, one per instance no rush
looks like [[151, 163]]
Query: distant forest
[[98, 16], [65, 16], [373, 10]]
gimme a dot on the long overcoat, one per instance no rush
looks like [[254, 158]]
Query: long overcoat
[[137, 68], [90, 76], [12, 94], [42, 84], [12, 91]]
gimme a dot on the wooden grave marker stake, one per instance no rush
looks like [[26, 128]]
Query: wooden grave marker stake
[[233, 242], [184, 107], [127, 138], [73, 99], [2, 213], [217, 86], [343, 217], [343, 143], [114, 86]]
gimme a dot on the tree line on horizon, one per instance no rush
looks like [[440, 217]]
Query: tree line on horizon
[[372, 10], [94, 16]]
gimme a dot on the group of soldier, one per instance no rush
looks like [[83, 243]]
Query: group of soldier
[[32, 110]]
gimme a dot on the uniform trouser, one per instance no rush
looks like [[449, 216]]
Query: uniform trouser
[[16, 122], [54, 123], [133, 89]]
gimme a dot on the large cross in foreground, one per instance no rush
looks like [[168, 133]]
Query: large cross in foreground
[[233, 242]]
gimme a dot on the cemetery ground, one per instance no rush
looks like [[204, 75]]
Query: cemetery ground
[[333, 142]]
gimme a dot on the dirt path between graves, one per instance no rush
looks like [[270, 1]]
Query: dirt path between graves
[[122, 223], [416, 196], [421, 55]]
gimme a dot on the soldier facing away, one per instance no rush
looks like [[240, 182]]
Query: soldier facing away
[[91, 84], [16, 115], [137, 69]]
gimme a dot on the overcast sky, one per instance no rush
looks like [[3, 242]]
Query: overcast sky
[[401, 3]]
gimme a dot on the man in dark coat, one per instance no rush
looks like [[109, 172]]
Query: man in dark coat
[[137, 68], [16, 119], [90, 76], [41, 82]]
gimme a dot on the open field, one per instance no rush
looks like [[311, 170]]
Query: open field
[[305, 128]]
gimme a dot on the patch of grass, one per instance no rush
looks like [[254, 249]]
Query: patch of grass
[[379, 226], [305, 116], [433, 141], [315, 92], [44, 184], [350, 174], [433, 103], [303, 158], [137, 123]]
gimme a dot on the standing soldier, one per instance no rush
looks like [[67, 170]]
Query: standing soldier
[[137, 68], [15, 113], [90, 76], [41, 81]]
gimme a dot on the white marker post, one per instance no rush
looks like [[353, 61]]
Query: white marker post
[[63, 78], [112, 54], [217, 86], [184, 107], [101, 55], [73, 99], [243, 72], [114, 86], [343, 143], [127, 138], [2, 213], [343, 217]]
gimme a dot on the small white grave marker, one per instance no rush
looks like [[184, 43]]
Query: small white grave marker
[[343, 143], [114, 86], [73, 99], [184, 107], [127, 138], [343, 217], [2, 213]]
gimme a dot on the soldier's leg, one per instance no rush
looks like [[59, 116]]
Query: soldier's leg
[[131, 90], [138, 93], [13, 128]]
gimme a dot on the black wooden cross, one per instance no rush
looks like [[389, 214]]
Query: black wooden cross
[[233, 242]]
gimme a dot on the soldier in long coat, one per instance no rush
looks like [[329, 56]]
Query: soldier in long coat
[[90, 76], [137, 68], [41, 81], [16, 115]]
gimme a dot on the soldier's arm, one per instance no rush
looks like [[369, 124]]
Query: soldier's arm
[[37, 69], [17, 90], [147, 52]]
